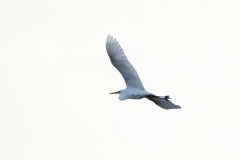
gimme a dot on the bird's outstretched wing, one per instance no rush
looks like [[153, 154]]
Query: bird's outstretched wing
[[163, 103], [121, 63]]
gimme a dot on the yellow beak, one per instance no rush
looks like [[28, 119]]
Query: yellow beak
[[114, 92]]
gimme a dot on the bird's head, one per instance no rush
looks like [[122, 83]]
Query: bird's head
[[122, 94]]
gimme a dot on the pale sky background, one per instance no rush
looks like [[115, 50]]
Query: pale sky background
[[55, 76]]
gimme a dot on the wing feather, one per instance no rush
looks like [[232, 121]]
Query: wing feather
[[121, 63], [163, 103]]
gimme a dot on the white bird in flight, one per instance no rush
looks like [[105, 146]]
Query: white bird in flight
[[135, 89]]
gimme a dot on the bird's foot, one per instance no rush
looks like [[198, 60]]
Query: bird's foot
[[166, 98]]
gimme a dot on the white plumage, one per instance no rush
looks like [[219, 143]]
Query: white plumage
[[135, 89]]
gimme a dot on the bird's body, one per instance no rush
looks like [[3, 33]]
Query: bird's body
[[132, 93], [135, 88]]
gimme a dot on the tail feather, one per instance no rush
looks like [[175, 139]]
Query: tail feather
[[163, 103]]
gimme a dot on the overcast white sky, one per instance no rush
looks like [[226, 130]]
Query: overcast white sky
[[55, 77]]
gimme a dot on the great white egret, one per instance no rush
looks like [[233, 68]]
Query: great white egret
[[135, 89]]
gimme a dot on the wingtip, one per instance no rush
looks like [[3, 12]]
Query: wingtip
[[176, 106], [108, 38], [173, 107], [179, 107]]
